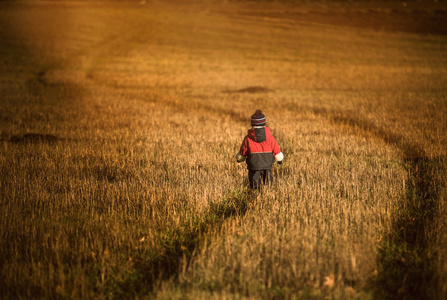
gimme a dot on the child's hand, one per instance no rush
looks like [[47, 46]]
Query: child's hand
[[240, 158]]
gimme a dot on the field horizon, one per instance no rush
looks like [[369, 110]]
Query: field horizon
[[120, 122]]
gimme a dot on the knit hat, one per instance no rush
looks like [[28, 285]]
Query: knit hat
[[258, 118]]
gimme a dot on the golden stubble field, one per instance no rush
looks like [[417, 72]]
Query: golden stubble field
[[120, 122]]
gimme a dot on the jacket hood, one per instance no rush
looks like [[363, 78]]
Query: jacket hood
[[259, 135]]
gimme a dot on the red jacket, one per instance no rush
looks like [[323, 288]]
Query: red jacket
[[259, 147]]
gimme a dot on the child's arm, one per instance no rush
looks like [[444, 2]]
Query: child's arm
[[243, 152], [279, 156]]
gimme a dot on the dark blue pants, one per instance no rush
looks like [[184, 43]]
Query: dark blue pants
[[258, 177]]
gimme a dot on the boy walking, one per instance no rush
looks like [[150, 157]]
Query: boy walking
[[259, 150]]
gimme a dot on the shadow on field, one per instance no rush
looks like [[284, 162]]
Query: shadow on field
[[405, 268], [34, 138], [250, 90], [180, 244], [427, 17]]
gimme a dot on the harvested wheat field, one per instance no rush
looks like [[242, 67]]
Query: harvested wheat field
[[120, 122]]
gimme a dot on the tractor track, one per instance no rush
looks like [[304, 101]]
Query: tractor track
[[180, 244], [405, 266]]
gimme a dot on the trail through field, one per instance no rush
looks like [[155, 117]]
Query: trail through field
[[405, 265], [180, 245]]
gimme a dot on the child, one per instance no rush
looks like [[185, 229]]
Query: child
[[259, 150]]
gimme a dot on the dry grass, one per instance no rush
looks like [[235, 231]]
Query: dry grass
[[129, 187]]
